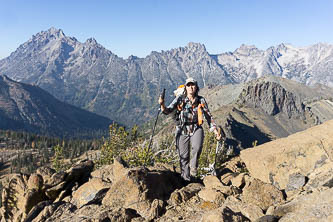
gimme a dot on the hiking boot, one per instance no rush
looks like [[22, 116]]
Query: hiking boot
[[193, 172]]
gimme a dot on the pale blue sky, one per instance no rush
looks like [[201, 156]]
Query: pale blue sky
[[137, 27]]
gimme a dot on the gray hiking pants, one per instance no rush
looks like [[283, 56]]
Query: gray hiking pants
[[188, 166]]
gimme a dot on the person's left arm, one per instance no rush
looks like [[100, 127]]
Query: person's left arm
[[209, 118]]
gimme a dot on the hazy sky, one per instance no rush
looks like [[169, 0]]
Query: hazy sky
[[137, 27]]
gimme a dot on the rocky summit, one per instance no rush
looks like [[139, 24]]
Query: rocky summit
[[91, 77], [288, 179]]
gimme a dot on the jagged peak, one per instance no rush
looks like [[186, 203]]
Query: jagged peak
[[91, 41], [286, 47], [245, 46], [56, 31], [247, 50], [196, 46], [51, 32], [132, 57]]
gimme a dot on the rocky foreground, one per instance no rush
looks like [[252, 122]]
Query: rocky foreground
[[289, 179]]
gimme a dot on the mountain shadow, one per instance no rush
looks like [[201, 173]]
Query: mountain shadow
[[29, 108], [246, 135]]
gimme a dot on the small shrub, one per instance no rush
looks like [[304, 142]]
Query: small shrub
[[58, 159], [138, 156], [116, 143]]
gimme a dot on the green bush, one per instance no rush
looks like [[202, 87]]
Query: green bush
[[207, 156], [116, 143], [138, 156], [134, 149], [210, 155], [58, 159]]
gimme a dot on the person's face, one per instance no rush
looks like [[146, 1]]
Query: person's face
[[191, 88]]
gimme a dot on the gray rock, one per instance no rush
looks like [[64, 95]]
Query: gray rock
[[316, 206], [296, 181]]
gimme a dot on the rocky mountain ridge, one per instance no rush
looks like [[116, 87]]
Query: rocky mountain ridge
[[29, 108], [289, 179], [91, 77]]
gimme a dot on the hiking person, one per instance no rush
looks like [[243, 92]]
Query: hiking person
[[191, 108]]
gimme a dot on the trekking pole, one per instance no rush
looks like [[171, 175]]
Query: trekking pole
[[158, 113], [218, 146]]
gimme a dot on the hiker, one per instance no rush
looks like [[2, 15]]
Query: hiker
[[191, 108]]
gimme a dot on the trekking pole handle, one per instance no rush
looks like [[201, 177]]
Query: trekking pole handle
[[163, 94], [221, 133]]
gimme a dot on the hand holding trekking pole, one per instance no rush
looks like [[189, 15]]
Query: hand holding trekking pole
[[161, 100], [219, 133]]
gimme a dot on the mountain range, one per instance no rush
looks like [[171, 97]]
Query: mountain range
[[25, 107], [93, 78]]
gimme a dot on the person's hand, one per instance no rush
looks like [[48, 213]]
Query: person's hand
[[217, 134], [160, 100]]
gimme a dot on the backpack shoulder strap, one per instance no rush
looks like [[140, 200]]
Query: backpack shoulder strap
[[200, 110], [180, 105]]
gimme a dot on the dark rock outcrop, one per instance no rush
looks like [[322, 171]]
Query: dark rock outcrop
[[272, 98]]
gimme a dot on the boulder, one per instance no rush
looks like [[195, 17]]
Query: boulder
[[316, 206], [181, 195], [53, 192], [119, 169], [226, 178], [14, 199], [137, 188], [88, 191], [261, 194], [251, 211], [212, 182], [157, 208], [212, 195], [239, 180], [320, 177], [104, 173], [46, 173], [302, 153], [55, 179], [35, 181], [80, 171], [31, 198]]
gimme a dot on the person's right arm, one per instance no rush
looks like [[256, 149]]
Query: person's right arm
[[170, 108]]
